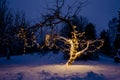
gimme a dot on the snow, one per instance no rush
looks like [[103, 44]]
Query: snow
[[52, 67]]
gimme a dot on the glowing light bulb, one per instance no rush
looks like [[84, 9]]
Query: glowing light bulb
[[74, 43]]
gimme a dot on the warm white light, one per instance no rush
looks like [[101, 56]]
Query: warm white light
[[74, 43]]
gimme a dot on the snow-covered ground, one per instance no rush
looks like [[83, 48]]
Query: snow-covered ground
[[52, 67]]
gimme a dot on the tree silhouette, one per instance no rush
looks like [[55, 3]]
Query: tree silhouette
[[117, 40], [9, 26], [90, 32], [6, 24], [106, 49], [79, 21]]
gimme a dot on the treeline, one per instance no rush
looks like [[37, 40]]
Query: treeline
[[11, 23], [112, 37]]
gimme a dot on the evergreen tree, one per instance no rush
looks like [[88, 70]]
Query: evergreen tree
[[6, 25], [90, 32], [118, 22], [117, 40], [106, 49], [112, 32], [79, 22]]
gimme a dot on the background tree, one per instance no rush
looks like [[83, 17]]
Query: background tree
[[21, 23], [79, 21], [6, 24], [9, 25], [106, 49], [117, 40], [90, 32], [112, 32]]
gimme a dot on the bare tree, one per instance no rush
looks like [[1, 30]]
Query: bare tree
[[61, 12], [57, 16]]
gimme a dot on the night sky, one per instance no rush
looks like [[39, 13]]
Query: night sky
[[98, 12]]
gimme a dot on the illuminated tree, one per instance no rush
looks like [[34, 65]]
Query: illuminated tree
[[77, 45]]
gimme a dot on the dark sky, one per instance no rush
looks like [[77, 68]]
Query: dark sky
[[98, 12]]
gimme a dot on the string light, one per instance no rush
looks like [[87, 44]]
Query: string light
[[73, 44], [28, 38]]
